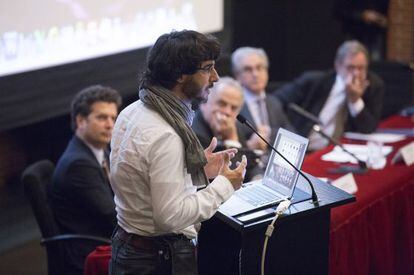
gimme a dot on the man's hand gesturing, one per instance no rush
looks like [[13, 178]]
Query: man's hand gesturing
[[235, 176]]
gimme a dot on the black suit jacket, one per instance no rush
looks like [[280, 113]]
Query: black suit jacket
[[277, 118], [311, 90], [81, 200]]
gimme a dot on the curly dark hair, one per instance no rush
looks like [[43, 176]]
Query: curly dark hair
[[178, 53], [82, 102]]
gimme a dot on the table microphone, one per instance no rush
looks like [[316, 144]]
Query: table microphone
[[244, 121], [362, 166], [299, 110]]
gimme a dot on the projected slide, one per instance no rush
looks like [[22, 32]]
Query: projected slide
[[43, 33]]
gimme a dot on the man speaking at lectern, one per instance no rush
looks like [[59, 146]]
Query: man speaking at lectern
[[157, 162]]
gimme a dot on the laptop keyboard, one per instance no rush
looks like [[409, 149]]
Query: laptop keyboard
[[256, 195]]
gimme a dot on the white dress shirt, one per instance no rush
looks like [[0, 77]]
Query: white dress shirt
[[154, 194], [327, 116], [98, 153]]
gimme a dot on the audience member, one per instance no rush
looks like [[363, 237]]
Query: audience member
[[157, 162], [349, 98], [250, 67], [81, 196], [217, 118]]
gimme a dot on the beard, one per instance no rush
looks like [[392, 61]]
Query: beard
[[195, 92]]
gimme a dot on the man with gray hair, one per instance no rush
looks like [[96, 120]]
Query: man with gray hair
[[348, 98], [217, 118], [250, 67]]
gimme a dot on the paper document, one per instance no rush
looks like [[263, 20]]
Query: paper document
[[405, 153], [376, 137], [346, 183], [361, 152], [408, 132]]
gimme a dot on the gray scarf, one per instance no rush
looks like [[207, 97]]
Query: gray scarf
[[177, 114]]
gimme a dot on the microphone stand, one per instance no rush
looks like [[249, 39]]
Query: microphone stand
[[309, 116], [360, 169], [362, 166], [244, 121]]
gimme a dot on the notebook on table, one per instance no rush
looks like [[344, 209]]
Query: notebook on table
[[278, 182]]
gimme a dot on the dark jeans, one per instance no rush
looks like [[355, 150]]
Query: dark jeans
[[172, 254]]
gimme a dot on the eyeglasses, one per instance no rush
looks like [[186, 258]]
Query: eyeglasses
[[351, 68], [209, 68], [250, 69]]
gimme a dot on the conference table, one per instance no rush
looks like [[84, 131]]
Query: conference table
[[374, 235]]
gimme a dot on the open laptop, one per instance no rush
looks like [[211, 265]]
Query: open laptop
[[279, 180]]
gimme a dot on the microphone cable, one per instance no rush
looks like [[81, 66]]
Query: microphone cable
[[281, 208]]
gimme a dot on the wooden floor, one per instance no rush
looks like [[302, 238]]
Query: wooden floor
[[26, 259], [20, 251]]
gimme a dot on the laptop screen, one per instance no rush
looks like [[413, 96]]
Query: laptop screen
[[279, 175]]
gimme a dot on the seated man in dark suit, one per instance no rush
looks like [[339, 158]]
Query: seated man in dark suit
[[80, 195], [250, 67], [347, 99], [217, 118]]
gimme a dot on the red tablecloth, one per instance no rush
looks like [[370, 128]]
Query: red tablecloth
[[374, 235], [97, 262]]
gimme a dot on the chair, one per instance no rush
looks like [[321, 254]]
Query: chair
[[399, 85], [35, 180]]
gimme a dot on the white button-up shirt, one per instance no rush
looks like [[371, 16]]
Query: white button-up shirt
[[154, 194], [334, 102]]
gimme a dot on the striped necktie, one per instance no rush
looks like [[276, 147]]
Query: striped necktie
[[261, 107]]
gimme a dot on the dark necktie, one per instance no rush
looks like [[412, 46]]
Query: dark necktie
[[105, 169], [340, 120], [262, 111]]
